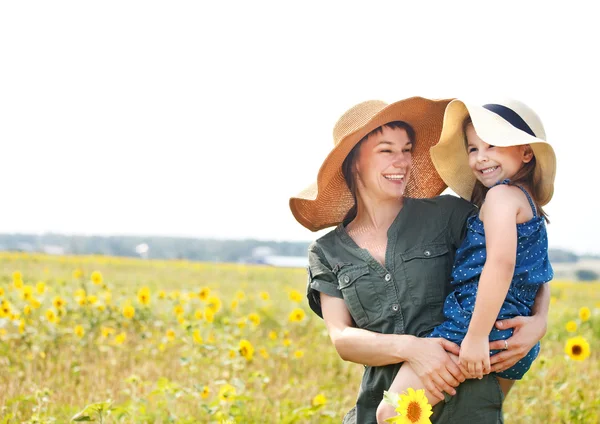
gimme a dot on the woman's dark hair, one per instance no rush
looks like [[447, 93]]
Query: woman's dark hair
[[523, 177], [348, 165]]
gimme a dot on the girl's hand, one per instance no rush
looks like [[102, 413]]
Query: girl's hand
[[431, 362], [475, 355], [527, 332]]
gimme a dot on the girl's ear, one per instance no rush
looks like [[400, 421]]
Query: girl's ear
[[527, 153]]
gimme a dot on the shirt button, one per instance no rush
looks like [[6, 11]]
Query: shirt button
[[388, 277], [427, 253], [395, 307], [346, 279]]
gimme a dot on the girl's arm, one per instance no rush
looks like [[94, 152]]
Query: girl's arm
[[427, 356], [499, 218]]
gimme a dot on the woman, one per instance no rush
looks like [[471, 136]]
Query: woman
[[380, 277]]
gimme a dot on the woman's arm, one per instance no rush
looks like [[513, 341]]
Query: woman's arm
[[527, 332], [428, 357], [499, 218]]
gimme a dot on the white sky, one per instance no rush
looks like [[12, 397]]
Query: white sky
[[203, 118]]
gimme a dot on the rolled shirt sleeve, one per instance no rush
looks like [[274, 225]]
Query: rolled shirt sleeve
[[321, 279]]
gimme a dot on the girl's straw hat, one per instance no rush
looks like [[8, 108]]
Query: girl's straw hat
[[326, 202], [506, 123]]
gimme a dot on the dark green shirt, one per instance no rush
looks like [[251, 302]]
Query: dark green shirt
[[405, 296]]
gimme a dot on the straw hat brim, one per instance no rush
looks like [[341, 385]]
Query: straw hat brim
[[450, 157], [326, 202]]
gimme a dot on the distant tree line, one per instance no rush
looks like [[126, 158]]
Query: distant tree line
[[178, 248]]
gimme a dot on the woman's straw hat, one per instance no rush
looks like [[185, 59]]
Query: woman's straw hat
[[505, 123], [326, 202]]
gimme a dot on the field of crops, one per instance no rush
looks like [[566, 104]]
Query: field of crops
[[119, 340]]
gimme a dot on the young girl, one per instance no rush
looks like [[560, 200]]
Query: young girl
[[496, 156]]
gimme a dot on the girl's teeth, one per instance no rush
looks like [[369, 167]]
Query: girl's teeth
[[394, 177], [488, 170]]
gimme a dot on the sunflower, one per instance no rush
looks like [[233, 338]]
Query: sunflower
[[205, 392], [413, 408], [319, 400], [204, 293], [227, 393], [197, 337], [128, 311], [297, 315], [144, 296], [79, 331], [246, 349], [295, 296], [584, 313], [571, 326], [96, 277], [577, 348], [254, 318], [264, 296]]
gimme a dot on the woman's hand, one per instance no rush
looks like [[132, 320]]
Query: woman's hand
[[431, 362], [527, 332], [475, 355]]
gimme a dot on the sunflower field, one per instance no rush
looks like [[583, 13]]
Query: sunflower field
[[118, 340]]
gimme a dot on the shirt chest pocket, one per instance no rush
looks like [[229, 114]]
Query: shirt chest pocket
[[427, 270], [359, 291]]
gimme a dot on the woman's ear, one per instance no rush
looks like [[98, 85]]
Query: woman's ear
[[527, 153]]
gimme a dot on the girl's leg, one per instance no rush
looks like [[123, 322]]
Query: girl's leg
[[405, 378], [505, 385]]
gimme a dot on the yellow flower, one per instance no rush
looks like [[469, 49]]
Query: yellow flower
[[227, 393], [246, 349], [79, 331], [272, 335], [241, 323], [144, 296], [40, 287], [197, 337], [297, 315], [80, 293], [577, 348], [170, 335], [17, 279], [162, 294], [5, 309], [205, 392], [295, 296], [234, 304], [21, 327], [264, 295], [128, 311], [174, 295], [319, 400], [1, 292], [96, 277], [120, 338], [584, 313], [101, 307], [178, 310], [298, 354], [198, 314], [77, 274], [263, 352], [254, 318], [209, 315], [35, 304], [82, 301], [553, 300], [413, 408], [181, 321], [571, 326], [91, 299], [240, 295], [50, 315], [232, 353], [107, 331], [27, 293], [204, 293], [58, 302], [286, 342], [26, 310], [214, 303]]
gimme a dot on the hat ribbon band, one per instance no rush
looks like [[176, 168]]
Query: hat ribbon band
[[510, 116]]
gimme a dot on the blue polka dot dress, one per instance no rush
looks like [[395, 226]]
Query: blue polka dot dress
[[532, 269]]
